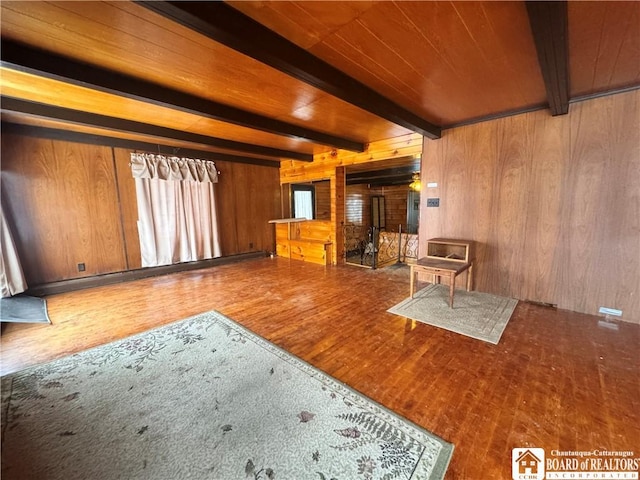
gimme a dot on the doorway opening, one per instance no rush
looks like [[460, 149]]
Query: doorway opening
[[382, 213]]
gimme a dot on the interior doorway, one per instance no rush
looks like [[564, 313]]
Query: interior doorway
[[382, 213]]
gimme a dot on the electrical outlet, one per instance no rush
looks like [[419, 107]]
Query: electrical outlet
[[610, 311], [81, 267], [433, 202]]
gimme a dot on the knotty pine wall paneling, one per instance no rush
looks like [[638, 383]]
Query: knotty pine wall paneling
[[61, 199], [324, 165], [358, 204], [331, 165], [323, 199], [553, 203], [395, 200], [338, 192]]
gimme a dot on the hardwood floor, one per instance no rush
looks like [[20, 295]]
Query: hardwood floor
[[556, 380]]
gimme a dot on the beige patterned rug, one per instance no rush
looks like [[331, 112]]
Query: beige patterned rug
[[203, 398], [475, 314]]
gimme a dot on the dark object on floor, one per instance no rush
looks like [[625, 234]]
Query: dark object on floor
[[23, 309]]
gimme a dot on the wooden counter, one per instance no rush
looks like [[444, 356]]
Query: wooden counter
[[302, 239]]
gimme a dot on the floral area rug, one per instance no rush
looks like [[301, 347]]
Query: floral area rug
[[203, 398]]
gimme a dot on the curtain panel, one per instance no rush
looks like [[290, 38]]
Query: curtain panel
[[147, 165], [12, 279], [177, 217]]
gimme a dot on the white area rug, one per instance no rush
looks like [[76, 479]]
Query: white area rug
[[475, 314], [203, 398]]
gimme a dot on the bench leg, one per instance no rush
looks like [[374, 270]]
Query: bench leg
[[452, 286], [413, 273]]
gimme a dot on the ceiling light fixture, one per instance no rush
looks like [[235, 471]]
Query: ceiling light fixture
[[415, 184]]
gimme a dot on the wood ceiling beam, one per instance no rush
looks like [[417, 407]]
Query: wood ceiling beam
[[389, 175], [549, 25], [91, 139], [380, 182], [226, 25], [78, 117], [23, 58], [390, 182]]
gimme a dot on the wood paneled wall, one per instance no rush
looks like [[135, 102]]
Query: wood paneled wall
[[338, 193], [128, 207], [61, 200], [324, 165], [553, 202], [358, 204], [323, 200], [395, 200], [248, 197], [71, 203], [332, 166]]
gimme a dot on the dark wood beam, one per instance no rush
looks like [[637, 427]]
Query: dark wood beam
[[78, 117], [20, 57], [549, 25], [91, 139], [383, 182], [388, 176], [226, 25]]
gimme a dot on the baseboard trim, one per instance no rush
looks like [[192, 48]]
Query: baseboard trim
[[119, 277]]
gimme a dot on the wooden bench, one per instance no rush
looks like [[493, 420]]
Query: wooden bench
[[440, 268], [309, 250], [446, 257], [293, 240]]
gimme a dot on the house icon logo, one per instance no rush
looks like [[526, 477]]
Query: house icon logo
[[527, 464]]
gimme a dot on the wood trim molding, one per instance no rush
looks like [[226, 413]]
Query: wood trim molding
[[226, 25], [119, 124], [606, 93], [119, 277], [87, 138], [495, 116], [549, 25], [23, 58]]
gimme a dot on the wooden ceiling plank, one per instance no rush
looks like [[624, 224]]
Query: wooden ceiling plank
[[119, 124], [549, 25], [604, 47], [87, 138], [24, 58], [228, 26]]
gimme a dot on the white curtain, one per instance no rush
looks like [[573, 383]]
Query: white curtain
[[12, 279], [177, 218], [303, 202]]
